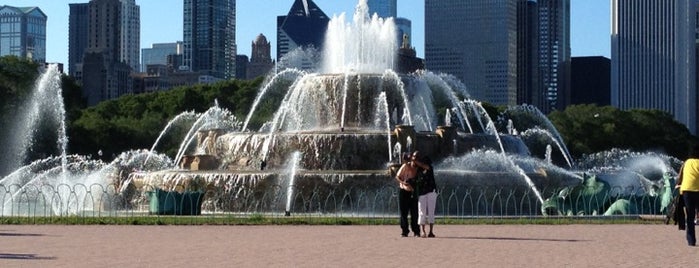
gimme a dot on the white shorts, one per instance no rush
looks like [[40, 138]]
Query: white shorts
[[425, 207]]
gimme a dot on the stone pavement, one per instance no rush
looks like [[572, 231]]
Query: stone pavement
[[585, 245]]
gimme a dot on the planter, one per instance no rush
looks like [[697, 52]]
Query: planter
[[175, 203]]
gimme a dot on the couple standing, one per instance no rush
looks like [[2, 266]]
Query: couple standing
[[417, 195]]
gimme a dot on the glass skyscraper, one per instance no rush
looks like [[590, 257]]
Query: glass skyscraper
[[23, 32], [653, 57], [506, 52], [383, 8], [303, 27], [209, 37], [476, 41], [77, 37], [554, 55]]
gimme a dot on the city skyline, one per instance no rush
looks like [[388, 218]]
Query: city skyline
[[589, 37]]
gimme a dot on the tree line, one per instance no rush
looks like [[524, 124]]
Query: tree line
[[135, 121]]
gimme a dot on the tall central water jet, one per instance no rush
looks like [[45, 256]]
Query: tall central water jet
[[366, 46]]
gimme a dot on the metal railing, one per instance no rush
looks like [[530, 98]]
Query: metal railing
[[97, 200]]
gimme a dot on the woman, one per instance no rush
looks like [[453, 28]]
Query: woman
[[689, 189], [428, 197]]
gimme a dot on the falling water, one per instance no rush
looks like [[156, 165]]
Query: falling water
[[443, 87], [546, 133], [345, 87], [393, 76], [547, 156], [382, 104], [477, 108], [213, 118], [447, 118], [490, 125], [263, 91], [180, 117], [293, 167], [46, 98], [544, 123], [397, 150]]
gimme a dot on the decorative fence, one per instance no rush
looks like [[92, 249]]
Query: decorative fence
[[356, 201]]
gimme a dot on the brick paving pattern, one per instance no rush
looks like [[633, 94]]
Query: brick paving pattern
[[584, 245]]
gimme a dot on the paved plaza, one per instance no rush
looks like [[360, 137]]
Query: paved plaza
[[585, 245]]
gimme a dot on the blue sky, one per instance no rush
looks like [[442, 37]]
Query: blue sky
[[161, 22]]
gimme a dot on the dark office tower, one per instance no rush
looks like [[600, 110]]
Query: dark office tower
[[23, 32], [476, 41], [261, 58], [590, 80], [304, 26], [653, 57], [528, 87], [77, 38], [108, 58], [209, 37], [241, 66], [554, 54]]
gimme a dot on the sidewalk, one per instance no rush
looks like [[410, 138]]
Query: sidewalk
[[345, 246]]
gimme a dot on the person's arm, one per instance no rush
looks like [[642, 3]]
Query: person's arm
[[399, 174], [679, 177]]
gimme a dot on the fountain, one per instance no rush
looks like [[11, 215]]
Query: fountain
[[334, 144], [336, 121]]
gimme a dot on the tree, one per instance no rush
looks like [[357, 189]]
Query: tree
[[589, 128]]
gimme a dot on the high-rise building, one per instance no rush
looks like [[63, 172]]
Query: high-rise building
[[476, 41], [383, 8], [529, 90], [158, 54], [554, 55], [590, 80], [653, 57], [241, 66], [209, 37], [130, 34], [77, 38], [303, 27], [104, 47], [23, 32], [261, 59]]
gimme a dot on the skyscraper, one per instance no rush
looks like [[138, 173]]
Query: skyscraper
[[77, 38], [130, 34], [303, 27], [105, 70], [23, 32], [104, 47], [529, 90], [383, 8], [653, 57], [554, 55], [476, 41], [209, 37]]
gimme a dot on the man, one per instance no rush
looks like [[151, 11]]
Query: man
[[407, 196]]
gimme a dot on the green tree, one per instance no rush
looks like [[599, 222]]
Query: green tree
[[589, 128]]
